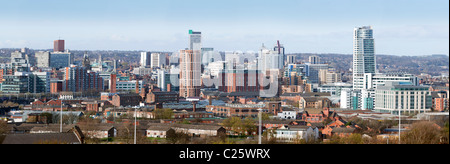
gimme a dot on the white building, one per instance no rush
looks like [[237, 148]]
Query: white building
[[269, 59], [287, 114], [145, 59], [158, 60], [372, 80], [296, 133], [394, 97], [363, 55], [334, 88]]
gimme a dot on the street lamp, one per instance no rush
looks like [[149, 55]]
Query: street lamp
[[399, 124], [135, 115], [260, 125]]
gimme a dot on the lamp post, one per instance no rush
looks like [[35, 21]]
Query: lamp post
[[135, 122], [399, 124], [60, 127], [260, 125]]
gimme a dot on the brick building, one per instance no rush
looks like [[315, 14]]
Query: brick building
[[131, 99]]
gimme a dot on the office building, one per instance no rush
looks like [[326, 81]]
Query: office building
[[129, 86], [42, 59], [61, 59], [158, 60], [373, 80], [291, 59], [314, 69], [270, 60], [395, 97], [314, 59], [363, 55], [281, 51], [195, 40], [145, 59], [166, 79], [190, 73], [58, 46], [26, 82]]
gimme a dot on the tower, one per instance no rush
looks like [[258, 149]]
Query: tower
[[363, 55], [195, 40], [190, 73], [86, 62], [58, 46]]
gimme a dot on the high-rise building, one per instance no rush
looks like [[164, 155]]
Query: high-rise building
[[290, 59], [42, 59], [61, 59], [314, 59], [20, 62], [79, 79], [165, 78], [195, 40], [27, 82], [281, 51], [363, 55], [269, 60], [145, 59], [158, 60], [190, 73], [58, 46]]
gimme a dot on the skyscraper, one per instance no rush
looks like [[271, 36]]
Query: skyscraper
[[195, 40], [314, 59], [363, 55], [190, 73], [145, 59], [58, 46], [42, 59], [158, 60]]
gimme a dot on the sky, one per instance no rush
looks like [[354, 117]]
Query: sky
[[401, 27]]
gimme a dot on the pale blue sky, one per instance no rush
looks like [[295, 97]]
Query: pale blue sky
[[401, 27]]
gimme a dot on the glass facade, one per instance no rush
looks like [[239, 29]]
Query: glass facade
[[61, 60]]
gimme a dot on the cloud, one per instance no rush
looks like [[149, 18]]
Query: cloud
[[122, 38], [14, 43]]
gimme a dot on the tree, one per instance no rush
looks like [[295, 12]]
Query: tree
[[423, 132], [3, 127], [174, 137], [240, 126], [163, 113]]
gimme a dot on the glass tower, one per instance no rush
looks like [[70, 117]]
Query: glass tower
[[363, 55]]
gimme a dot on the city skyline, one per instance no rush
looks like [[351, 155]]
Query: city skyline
[[407, 28]]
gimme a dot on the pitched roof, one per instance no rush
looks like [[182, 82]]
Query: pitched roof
[[41, 138]]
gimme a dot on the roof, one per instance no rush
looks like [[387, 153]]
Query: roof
[[314, 110], [41, 138], [54, 128], [343, 130]]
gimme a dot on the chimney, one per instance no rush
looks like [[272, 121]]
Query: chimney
[[194, 104], [169, 88], [137, 86]]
